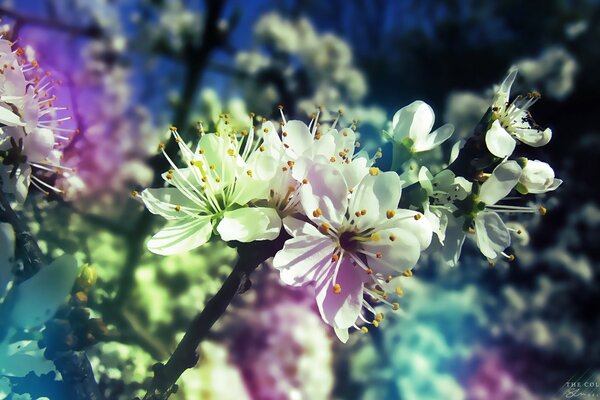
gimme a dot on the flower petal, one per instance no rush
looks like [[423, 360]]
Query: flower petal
[[491, 234], [341, 310], [163, 202], [534, 137], [249, 224], [376, 195], [503, 179], [304, 258], [297, 137], [414, 121], [435, 138], [396, 251], [453, 241], [498, 141], [181, 235], [9, 118], [325, 190]]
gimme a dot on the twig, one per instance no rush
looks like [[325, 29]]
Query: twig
[[251, 255], [28, 249]]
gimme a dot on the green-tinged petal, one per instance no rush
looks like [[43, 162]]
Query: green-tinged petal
[[249, 224], [180, 236], [165, 202]]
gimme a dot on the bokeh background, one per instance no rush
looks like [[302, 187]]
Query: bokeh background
[[131, 68]]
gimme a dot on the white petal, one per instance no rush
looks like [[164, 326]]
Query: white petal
[[414, 121], [435, 138], [180, 236], [503, 93], [412, 222], [396, 256], [38, 298], [503, 179], [491, 234], [498, 141], [453, 242], [303, 259], [249, 224], [375, 194], [342, 334], [9, 118], [534, 137], [297, 137], [296, 227]]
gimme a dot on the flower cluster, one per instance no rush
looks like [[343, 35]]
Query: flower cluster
[[349, 228], [29, 133]]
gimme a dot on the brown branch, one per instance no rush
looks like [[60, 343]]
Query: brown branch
[[251, 255]]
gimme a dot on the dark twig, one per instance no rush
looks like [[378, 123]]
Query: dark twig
[[251, 255], [27, 247]]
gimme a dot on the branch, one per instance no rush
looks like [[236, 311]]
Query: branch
[[251, 255], [28, 249]]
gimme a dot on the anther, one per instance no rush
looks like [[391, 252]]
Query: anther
[[542, 210], [418, 217], [395, 306], [375, 237], [408, 273], [335, 257], [324, 228], [390, 214], [305, 181], [317, 213], [337, 289], [392, 237], [374, 171], [364, 329]]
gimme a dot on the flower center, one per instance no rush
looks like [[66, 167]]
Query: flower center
[[347, 241]]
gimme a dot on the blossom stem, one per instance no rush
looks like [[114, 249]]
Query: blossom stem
[[185, 356]]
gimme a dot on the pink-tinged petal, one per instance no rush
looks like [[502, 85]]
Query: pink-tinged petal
[[376, 195], [296, 137], [325, 190], [395, 251], [341, 310], [180, 236], [303, 259]]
